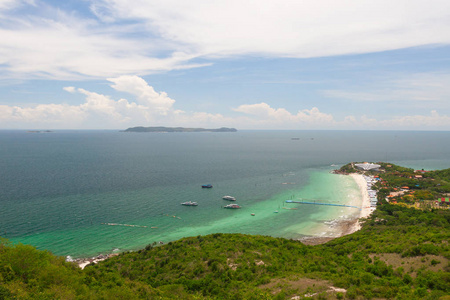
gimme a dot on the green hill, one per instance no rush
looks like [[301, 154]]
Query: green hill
[[400, 253]]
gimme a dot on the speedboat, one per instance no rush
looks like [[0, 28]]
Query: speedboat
[[206, 186], [189, 203], [232, 206], [229, 198]]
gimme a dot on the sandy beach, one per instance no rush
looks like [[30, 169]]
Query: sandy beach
[[344, 225], [348, 226], [366, 210], [83, 262]]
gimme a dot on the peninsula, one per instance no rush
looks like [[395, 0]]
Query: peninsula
[[177, 129]]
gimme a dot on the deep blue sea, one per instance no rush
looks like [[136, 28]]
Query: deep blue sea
[[60, 189]]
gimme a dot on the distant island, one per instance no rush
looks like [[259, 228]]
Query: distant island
[[177, 129], [39, 131]]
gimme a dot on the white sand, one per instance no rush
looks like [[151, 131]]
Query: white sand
[[366, 210], [343, 226], [83, 262]]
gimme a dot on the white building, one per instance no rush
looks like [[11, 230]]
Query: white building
[[368, 166]]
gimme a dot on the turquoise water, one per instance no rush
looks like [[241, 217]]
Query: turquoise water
[[60, 188]]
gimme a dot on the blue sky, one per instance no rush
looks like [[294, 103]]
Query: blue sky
[[323, 64]]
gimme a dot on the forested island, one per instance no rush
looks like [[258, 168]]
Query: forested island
[[401, 252], [177, 129]]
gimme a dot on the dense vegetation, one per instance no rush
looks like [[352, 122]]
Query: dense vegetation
[[399, 253], [408, 185]]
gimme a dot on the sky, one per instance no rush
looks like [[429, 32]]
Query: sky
[[247, 64]]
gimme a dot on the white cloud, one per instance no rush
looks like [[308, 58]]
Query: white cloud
[[100, 111], [265, 115], [69, 89], [290, 28], [152, 108], [41, 116], [420, 87], [431, 121], [60, 45], [434, 121], [7, 4], [141, 37], [145, 94], [10, 4]]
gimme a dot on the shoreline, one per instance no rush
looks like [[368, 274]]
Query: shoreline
[[83, 262], [341, 227], [366, 209], [346, 227]]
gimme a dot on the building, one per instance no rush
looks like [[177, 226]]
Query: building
[[368, 166]]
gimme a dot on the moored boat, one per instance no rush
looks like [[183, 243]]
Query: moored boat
[[232, 206], [229, 198], [189, 203]]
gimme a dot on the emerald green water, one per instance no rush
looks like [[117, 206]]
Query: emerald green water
[[59, 189], [209, 217]]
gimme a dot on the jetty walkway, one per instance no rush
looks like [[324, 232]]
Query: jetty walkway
[[320, 203]]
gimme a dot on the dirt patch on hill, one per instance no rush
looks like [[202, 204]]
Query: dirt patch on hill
[[298, 288], [412, 264]]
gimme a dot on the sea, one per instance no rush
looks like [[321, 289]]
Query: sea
[[84, 193]]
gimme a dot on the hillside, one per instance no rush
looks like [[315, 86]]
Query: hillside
[[399, 253]]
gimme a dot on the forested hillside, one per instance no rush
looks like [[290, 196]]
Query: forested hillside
[[399, 253]]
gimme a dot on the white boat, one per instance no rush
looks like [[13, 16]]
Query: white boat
[[229, 198], [189, 203], [232, 206]]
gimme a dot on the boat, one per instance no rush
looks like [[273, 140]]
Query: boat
[[189, 203], [232, 206], [229, 198], [252, 214], [206, 186]]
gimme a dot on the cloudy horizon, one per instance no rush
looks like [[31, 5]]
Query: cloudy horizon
[[112, 64]]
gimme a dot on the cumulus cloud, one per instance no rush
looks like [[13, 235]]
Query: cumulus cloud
[[98, 111], [151, 108], [263, 116], [41, 116], [69, 89], [264, 113], [145, 94], [434, 120]]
